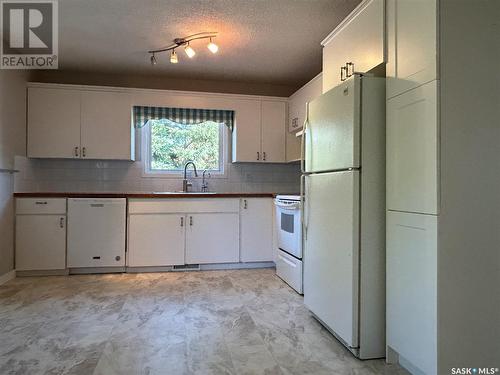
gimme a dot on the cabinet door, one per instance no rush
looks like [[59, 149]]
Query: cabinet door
[[273, 131], [256, 230], [412, 44], [107, 131], [212, 238], [156, 240], [40, 242], [412, 288], [53, 123], [360, 40], [412, 151], [247, 131]]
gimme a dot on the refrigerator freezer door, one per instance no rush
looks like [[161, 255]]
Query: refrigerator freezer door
[[332, 132], [331, 253]]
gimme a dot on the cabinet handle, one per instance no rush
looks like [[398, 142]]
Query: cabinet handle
[[264, 156], [245, 204], [41, 202], [258, 155], [61, 222], [76, 151], [84, 152], [190, 220], [349, 68], [182, 221], [343, 73]]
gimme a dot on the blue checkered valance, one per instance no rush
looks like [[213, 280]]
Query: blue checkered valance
[[182, 115]]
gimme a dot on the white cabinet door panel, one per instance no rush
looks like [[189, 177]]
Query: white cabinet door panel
[[273, 131], [40, 242], [156, 240], [53, 123], [212, 238], [412, 44], [247, 131], [360, 41], [412, 151], [107, 131], [412, 288], [256, 230]]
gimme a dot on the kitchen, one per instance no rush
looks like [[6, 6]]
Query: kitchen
[[302, 197]]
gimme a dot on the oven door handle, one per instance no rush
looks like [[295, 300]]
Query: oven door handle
[[293, 206]]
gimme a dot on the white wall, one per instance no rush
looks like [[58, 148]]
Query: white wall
[[12, 142], [469, 260]]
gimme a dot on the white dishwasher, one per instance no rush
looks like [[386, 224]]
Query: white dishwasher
[[96, 232]]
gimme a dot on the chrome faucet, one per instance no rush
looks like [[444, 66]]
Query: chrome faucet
[[185, 183], [204, 183]]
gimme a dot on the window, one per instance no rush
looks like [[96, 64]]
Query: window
[[169, 145]]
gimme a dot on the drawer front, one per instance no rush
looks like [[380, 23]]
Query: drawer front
[[41, 205], [289, 269], [188, 205]]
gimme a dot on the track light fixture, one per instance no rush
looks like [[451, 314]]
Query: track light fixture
[[212, 46], [189, 51], [153, 59], [173, 57], [185, 42]]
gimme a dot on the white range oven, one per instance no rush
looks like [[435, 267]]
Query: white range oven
[[289, 228]]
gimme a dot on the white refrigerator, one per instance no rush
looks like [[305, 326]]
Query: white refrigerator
[[343, 185]]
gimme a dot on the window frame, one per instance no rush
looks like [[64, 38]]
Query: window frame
[[175, 174]]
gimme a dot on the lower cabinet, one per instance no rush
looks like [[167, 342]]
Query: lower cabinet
[[412, 288], [256, 234], [40, 242], [40, 234], [168, 232], [156, 240], [212, 238]]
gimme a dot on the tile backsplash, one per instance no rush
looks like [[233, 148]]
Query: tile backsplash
[[59, 175]]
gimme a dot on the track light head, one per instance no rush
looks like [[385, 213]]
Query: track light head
[[189, 51], [173, 57], [153, 60], [212, 46]]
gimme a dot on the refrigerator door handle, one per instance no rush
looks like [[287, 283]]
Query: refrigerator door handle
[[305, 211], [303, 142]]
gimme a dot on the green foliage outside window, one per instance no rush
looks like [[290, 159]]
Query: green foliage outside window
[[174, 144]]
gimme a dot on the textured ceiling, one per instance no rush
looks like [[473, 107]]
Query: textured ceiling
[[261, 41]]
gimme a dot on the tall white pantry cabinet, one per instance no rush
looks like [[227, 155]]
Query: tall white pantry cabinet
[[443, 205]]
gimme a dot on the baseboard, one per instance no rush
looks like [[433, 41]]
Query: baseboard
[[235, 266], [62, 272], [205, 267], [7, 277], [92, 270]]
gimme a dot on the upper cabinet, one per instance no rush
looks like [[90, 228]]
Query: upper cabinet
[[297, 115], [72, 123], [358, 41], [412, 44], [53, 123], [106, 131], [298, 101], [259, 134]]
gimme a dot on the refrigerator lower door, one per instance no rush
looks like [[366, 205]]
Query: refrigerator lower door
[[332, 132], [331, 253]]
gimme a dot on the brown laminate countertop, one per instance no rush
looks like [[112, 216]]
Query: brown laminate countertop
[[142, 195]]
